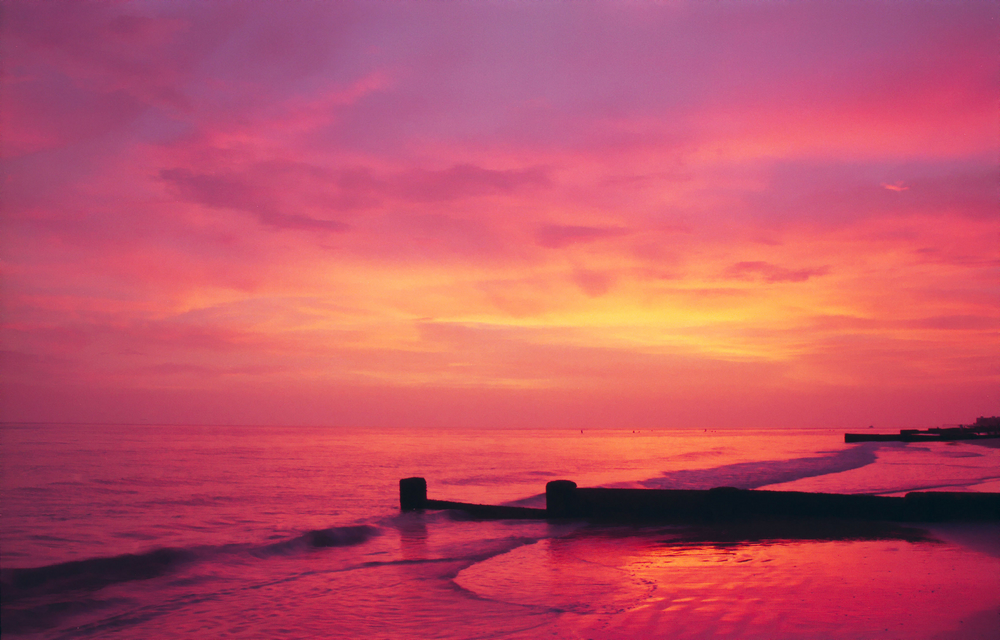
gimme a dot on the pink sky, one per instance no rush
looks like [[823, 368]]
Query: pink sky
[[621, 215]]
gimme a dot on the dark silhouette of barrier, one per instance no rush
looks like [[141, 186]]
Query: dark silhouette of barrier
[[413, 497], [563, 499]]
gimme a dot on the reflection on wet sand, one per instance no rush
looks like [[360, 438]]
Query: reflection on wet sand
[[753, 581], [800, 529]]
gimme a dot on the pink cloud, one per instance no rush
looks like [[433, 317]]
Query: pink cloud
[[772, 273], [465, 180], [593, 283], [555, 236], [226, 192]]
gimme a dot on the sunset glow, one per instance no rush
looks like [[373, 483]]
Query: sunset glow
[[526, 214]]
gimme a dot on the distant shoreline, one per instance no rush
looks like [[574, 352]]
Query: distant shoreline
[[984, 442]]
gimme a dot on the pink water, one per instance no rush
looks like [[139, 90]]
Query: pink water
[[295, 533]]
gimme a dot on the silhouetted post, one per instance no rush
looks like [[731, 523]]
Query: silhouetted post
[[412, 494], [560, 498]]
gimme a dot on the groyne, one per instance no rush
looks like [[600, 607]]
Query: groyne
[[564, 500], [413, 497]]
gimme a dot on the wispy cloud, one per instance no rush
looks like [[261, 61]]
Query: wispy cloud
[[898, 186], [772, 273], [556, 236]]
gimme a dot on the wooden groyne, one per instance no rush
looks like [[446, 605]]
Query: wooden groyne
[[413, 497], [564, 500]]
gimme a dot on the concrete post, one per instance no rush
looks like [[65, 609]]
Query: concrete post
[[560, 498], [412, 494]]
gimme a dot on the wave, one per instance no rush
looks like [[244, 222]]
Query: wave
[[753, 475], [320, 538], [744, 475], [96, 573], [90, 574]]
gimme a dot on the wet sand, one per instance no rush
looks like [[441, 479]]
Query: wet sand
[[628, 584]]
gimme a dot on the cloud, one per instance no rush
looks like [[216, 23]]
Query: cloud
[[268, 189], [772, 273], [841, 193], [195, 370], [103, 50], [593, 283], [557, 236], [982, 323], [465, 180], [230, 192]]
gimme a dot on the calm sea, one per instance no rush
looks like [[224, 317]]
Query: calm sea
[[266, 532]]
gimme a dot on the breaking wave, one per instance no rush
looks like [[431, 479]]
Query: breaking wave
[[95, 573], [91, 574], [320, 538], [753, 475]]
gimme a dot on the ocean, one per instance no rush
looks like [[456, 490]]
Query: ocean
[[294, 532]]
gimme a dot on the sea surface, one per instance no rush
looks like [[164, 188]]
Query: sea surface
[[291, 532]]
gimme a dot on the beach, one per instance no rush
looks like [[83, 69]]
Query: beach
[[296, 532]]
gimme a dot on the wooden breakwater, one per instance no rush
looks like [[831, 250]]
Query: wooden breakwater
[[564, 500], [413, 497]]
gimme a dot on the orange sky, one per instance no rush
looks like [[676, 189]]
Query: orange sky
[[575, 215]]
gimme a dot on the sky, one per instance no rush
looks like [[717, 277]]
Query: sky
[[503, 214]]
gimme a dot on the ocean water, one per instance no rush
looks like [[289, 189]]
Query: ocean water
[[267, 532]]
